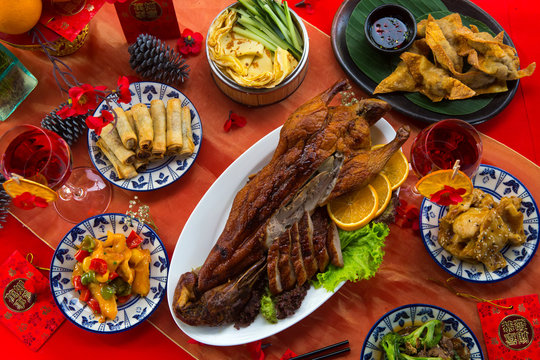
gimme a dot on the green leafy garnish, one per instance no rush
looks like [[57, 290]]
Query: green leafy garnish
[[362, 255], [268, 308]]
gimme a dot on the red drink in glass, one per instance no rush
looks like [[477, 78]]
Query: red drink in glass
[[43, 156], [39, 155], [441, 144]]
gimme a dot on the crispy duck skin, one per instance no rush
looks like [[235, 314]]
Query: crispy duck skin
[[320, 233], [299, 153], [323, 151], [310, 136], [359, 170]]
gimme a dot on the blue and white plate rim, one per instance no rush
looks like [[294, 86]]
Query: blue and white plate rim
[[442, 312], [139, 226], [525, 194], [196, 119]]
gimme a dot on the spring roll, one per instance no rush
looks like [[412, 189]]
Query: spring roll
[[159, 118], [187, 135], [140, 155], [123, 171], [174, 126], [140, 164], [131, 121], [145, 128], [110, 136], [127, 135]]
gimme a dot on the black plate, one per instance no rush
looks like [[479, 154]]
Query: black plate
[[397, 100]]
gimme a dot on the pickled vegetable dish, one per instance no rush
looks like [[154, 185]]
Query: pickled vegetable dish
[[108, 272]]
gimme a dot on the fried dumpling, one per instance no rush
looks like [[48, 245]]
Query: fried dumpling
[[444, 53], [482, 83], [492, 57], [435, 82], [401, 79]]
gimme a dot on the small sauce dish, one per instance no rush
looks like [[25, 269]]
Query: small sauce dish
[[390, 28]]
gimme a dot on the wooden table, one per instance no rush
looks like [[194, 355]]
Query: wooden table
[[104, 57]]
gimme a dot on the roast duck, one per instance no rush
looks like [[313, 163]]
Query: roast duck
[[278, 230]]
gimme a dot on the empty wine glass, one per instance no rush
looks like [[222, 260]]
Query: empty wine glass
[[43, 156]]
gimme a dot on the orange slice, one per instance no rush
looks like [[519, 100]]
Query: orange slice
[[396, 169], [382, 186], [17, 186], [354, 209], [435, 181]]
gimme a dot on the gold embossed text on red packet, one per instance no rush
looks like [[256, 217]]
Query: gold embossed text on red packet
[[512, 329], [32, 317]]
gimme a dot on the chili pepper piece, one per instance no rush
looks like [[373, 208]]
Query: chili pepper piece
[[113, 275], [85, 295], [81, 254], [133, 240], [77, 283], [94, 305], [98, 265], [123, 299]]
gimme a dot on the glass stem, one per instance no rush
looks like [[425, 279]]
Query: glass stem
[[69, 192]]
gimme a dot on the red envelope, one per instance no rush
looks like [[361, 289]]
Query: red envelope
[[31, 317], [154, 17], [68, 20], [512, 332]]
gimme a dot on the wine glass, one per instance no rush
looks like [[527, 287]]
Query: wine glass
[[440, 145], [43, 156]]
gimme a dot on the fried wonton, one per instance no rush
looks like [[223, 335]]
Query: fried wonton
[[444, 53], [401, 79], [492, 57], [434, 82], [467, 62]]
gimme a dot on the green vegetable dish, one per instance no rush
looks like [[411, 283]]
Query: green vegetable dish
[[425, 342]]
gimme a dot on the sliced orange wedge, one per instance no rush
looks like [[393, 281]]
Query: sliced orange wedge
[[435, 181], [382, 186], [354, 209], [17, 186], [396, 169]]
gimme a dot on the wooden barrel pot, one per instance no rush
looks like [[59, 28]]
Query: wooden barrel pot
[[263, 96]]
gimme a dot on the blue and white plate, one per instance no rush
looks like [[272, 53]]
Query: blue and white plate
[[497, 183], [131, 313], [158, 173], [416, 315]]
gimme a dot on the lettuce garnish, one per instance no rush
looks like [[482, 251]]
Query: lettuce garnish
[[362, 255]]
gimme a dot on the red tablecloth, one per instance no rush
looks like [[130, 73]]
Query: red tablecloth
[[515, 127]]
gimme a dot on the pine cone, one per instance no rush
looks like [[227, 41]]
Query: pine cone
[[5, 201], [153, 59], [70, 129]]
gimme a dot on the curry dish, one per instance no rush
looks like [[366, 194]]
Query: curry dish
[[479, 228], [108, 272]]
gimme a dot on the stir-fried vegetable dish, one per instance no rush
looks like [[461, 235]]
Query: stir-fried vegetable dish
[[109, 271]]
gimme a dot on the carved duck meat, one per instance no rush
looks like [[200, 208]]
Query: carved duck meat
[[323, 152]]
